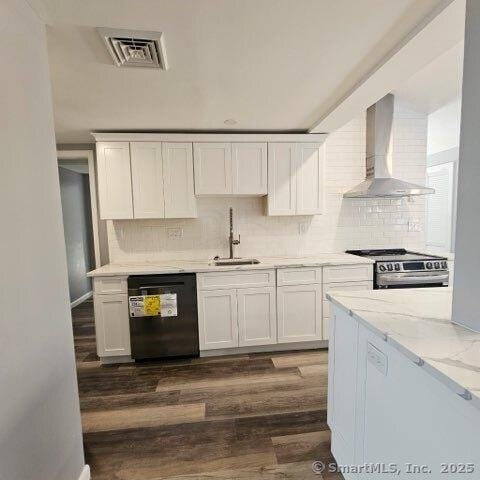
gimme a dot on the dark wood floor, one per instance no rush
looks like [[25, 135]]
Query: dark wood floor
[[254, 416]]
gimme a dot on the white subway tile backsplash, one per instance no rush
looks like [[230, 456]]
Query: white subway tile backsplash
[[346, 224]]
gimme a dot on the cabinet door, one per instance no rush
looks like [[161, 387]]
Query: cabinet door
[[310, 181], [147, 180], [282, 184], [299, 311], [342, 379], [257, 319], [249, 168], [112, 325], [179, 193], [114, 180], [213, 168], [217, 319]]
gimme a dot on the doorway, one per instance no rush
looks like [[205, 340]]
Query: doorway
[[80, 221]]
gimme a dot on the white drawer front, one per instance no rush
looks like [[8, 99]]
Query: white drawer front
[[110, 285], [298, 276], [348, 273], [232, 279]]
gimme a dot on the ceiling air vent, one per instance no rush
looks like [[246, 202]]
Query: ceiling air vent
[[133, 48]]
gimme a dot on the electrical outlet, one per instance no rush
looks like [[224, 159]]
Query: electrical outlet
[[377, 358], [303, 228], [414, 226], [175, 232]]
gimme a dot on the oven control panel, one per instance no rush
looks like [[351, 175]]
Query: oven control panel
[[414, 266]]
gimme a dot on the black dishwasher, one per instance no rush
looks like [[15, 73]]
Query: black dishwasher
[[163, 316]]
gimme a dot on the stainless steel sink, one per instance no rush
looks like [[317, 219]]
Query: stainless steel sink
[[234, 261]]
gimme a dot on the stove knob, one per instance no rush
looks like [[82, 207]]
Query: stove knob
[[429, 265], [437, 264], [397, 267], [389, 267], [382, 268]]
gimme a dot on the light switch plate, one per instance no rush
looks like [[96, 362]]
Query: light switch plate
[[377, 358]]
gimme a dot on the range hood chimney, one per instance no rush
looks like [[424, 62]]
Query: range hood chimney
[[379, 181]]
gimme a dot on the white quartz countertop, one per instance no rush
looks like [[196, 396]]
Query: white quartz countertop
[[195, 266], [417, 323]]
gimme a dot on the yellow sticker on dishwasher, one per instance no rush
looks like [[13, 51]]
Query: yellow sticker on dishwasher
[[151, 305]]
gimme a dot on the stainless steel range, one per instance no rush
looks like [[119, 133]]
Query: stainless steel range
[[399, 268]]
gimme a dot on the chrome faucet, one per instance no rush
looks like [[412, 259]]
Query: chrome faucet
[[232, 241]]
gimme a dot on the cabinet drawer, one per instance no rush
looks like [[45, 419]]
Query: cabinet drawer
[[348, 273], [110, 285], [232, 279], [299, 276]]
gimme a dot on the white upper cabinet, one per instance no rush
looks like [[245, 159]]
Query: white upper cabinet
[[161, 179], [213, 168], [178, 187], [230, 168], [114, 180], [249, 168], [147, 179], [310, 191], [282, 184], [295, 178]]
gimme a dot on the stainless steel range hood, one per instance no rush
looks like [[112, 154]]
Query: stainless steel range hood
[[379, 181]]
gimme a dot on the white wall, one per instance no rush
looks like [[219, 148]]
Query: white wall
[[466, 290], [347, 223], [40, 433], [444, 128]]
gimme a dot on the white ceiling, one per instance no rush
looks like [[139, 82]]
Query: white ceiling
[[436, 85], [269, 64]]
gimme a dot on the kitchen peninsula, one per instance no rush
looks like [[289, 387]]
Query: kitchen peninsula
[[404, 384]]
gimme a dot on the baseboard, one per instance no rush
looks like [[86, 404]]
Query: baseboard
[[278, 347], [85, 475], [80, 300]]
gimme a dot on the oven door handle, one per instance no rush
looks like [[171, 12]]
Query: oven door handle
[[402, 279]]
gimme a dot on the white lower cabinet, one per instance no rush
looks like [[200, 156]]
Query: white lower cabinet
[[299, 313], [236, 317], [112, 325], [217, 319], [257, 320]]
